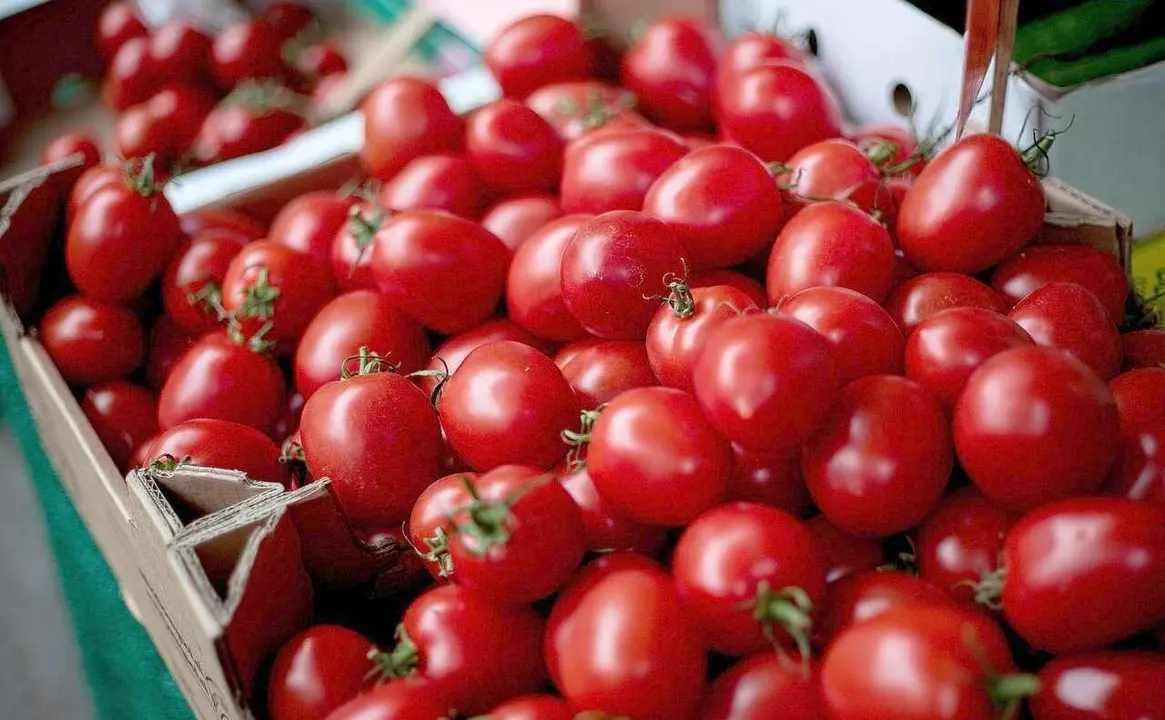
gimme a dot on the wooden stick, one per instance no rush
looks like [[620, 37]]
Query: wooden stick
[[1004, 53]]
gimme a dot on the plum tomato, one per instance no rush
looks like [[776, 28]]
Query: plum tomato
[[192, 281], [764, 686], [671, 68], [405, 118], [1097, 271], [538, 50], [180, 52], [753, 49], [753, 289], [1104, 684], [287, 18], [317, 671], [451, 353], [123, 415], [1140, 398], [118, 23], [401, 700], [512, 149], [1144, 348], [92, 341], [641, 154], [435, 182], [769, 479], [232, 222], [924, 295], [863, 338], [601, 371], [1068, 317], [534, 282], [961, 542], [862, 596], [1141, 474], [308, 223], [606, 529], [73, 143], [532, 707], [681, 327], [205, 442], [248, 50], [844, 553], [431, 520], [131, 76], [835, 169], [243, 125], [577, 108], [351, 255], [515, 219]]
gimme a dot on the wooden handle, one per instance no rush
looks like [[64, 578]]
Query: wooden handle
[[1004, 53], [991, 27]]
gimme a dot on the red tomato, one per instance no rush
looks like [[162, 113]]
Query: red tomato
[[131, 76], [516, 219], [287, 19], [641, 154], [1141, 475], [616, 270], [1095, 270], [379, 461], [1101, 685], [449, 356], [248, 50], [770, 479], [881, 458], [671, 68], [518, 538], [431, 518], [513, 149], [349, 322], [532, 707], [118, 23], [1034, 425], [831, 244], [205, 442], [1068, 317], [876, 137], [1140, 399], [619, 640], [221, 379], [400, 700], [710, 278], [925, 295], [92, 341], [317, 671], [534, 285], [946, 348], [246, 229], [123, 415], [507, 403], [656, 459], [320, 60], [863, 338], [71, 144], [352, 247], [405, 118], [777, 108], [764, 381], [606, 529], [681, 327], [180, 52], [437, 182], [844, 553], [834, 170], [961, 542], [601, 371], [722, 203], [234, 130], [1085, 572], [309, 223], [974, 205], [180, 110], [192, 282], [167, 345], [447, 286], [1144, 348], [748, 573], [136, 134], [577, 108], [753, 49], [538, 50], [862, 596], [763, 687]]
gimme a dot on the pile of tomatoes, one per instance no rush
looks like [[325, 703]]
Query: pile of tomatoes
[[693, 401]]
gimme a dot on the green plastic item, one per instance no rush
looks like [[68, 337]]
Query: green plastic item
[[1066, 74], [1072, 32]]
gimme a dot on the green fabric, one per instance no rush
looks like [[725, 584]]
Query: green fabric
[[127, 678]]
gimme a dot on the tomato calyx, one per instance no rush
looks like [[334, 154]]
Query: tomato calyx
[[140, 177], [1035, 156], [208, 298], [788, 608], [442, 377], [404, 660], [167, 463], [1006, 691], [264, 96], [578, 439], [259, 297], [879, 152], [487, 524], [595, 113], [437, 552], [988, 590], [367, 363], [363, 229]]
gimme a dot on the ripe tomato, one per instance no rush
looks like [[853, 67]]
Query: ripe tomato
[[765, 381], [430, 520], [656, 459], [747, 574], [777, 108], [619, 641], [449, 356], [722, 203], [1034, 425], [709, 278], [681, 327], [234, 130], [762, 687], [1101, 685], [974, 205], [577, 108], [863, 338], [641, 154], [378, 468], [400, 700], [1068, 317], [321, 60], [167, 344], [862, 596], [1095, 270], [516, 219], [287, 19], [616, 270], [437, 182], [671, 68], [532, 707], [180, 52], [836, 170], [405, 118], [221, 379], [248, 50], [205, 442], [70, 144], [92, 341], [309, 223], [925, 295], [317, 671], [946, 348], [118, 23], [753, 49], [136, 134], [246, 229], [1144, 348], [881, 458], [447, 286], [1140, 399], [351, 321], [1141, 474], [603, 370], [961, 542], [604, 528], [831, 244], [1085, 572], [352, 247], [131, 76], [769, 479], [123, 415], [192, 282], [513, 149], [518, 538], [470, 649], [538, 50], [180, 110], [534, 284], [844, 553]]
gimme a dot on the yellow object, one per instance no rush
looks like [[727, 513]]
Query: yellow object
[[1149, 264]]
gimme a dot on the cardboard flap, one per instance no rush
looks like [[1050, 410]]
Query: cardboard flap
[[1073, 217]]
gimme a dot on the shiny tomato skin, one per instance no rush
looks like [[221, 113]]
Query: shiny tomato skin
[[1074, 568], [777, 108], [451, 353], [232, 131], [432, 516], [167, 344], [245, 228], [1068, 317], [447, 286], [753, 49], [534, 281], [772, 479], [317, 671], [881, 458], [724, 556], [351, 255], [722, 203], [1110, 684], [221, 444], [946, 348], [580, 107], [136, 134], [1141, 473], [195, 265], [515, 219], [863, 338], [764, 381], [753, 289], [764, 686], [180, 52], [357, 319], [538, 50], [835, 169], [928, 294], [656, 459], [70, 144], [248, 50], [118, 23], [602, 371], [844, 553], [671, 68], [862, 596], [1095, 270], [131, 76], [123, 415], [641, 154], [400, 700], [287, 18], [1140, 398], [673, 342], [532, 707], [616, 270], [512, 149], [961, 542], [405, 118], [180, 109], [435, 182], [944, 226], [92, 341], [604, 528], [1144, 348], [308, 223]]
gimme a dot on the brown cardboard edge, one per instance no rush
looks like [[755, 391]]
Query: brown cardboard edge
[[1069, 208]]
